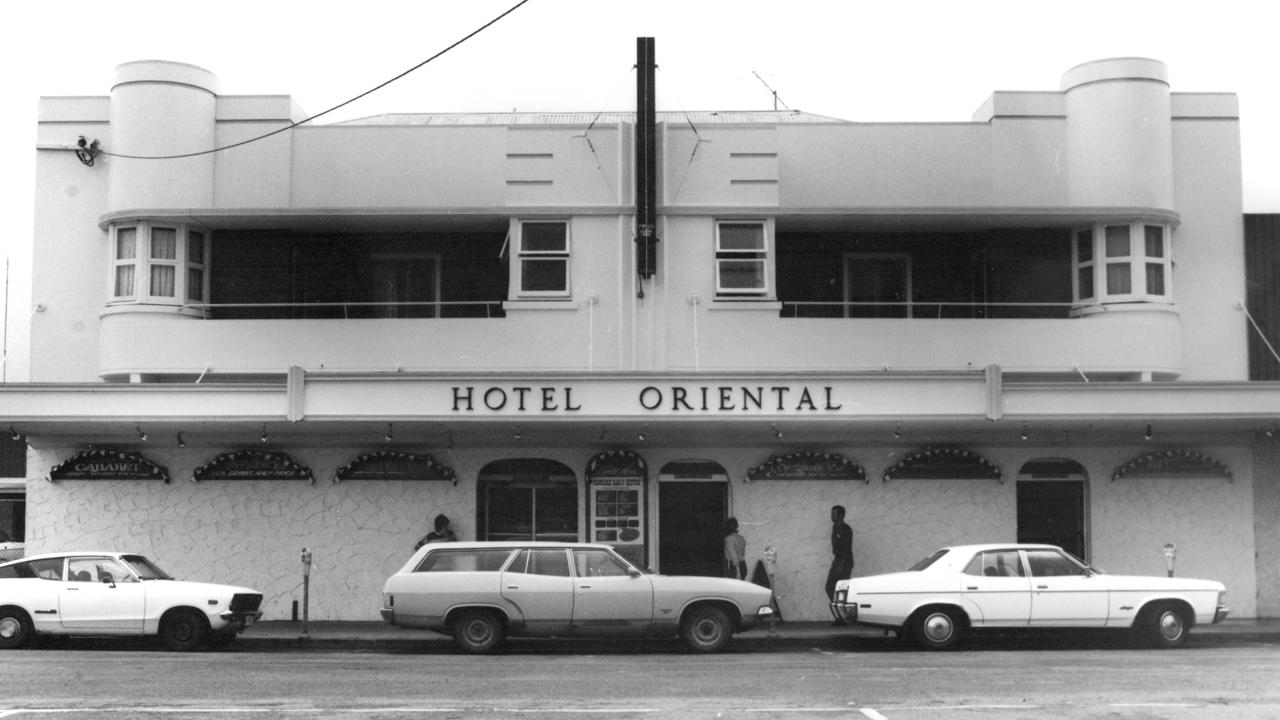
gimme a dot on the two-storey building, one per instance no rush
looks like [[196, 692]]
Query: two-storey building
[[252, 337]]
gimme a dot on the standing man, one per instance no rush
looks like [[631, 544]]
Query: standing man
[[735, 549], [841, 552]]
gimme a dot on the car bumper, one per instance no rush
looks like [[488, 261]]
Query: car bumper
[[1221, 614], [238, 621], [845, 612]]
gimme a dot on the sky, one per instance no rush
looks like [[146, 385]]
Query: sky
[[884, 61]]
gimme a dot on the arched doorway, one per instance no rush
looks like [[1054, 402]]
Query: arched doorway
[[1052, 504], [693, 503], [527, 499]]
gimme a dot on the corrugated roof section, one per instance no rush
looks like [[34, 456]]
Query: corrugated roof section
[[703, 117]]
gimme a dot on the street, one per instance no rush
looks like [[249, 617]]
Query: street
[[838, 678]]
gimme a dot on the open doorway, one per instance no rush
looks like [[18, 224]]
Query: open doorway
[[693, 503], [1052, 504]]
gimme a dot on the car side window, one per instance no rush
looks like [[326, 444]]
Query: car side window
[[463, 561], [1047, 563], [1001, 563], [541, 562], [597, 563], [47, 569]]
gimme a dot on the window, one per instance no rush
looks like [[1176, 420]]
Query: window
[[152, 263], [599, 563], [1122, 262], [542, 258], [405, 285], [742, 259], [463, 561], [1049, 563], [541, 562], [877, 285], [1001, 563]]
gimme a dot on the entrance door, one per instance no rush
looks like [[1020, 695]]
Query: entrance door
[[1051, 505], [691, 515]]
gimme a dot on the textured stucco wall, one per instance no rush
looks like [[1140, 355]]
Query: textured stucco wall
[[1266, 494], [251, 532]]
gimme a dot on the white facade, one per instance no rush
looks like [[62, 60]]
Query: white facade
[[1053, 285]]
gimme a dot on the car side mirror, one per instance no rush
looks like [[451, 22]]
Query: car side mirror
[[634, 572]]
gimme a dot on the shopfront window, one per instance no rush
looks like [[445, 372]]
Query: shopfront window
[[530, 499]]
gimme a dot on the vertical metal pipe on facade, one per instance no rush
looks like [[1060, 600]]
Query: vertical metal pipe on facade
[[646, 161]]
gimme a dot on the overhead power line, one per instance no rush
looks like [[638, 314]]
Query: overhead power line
[[293, 125]]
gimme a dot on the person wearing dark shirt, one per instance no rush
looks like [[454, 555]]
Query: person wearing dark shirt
[[841, 552]]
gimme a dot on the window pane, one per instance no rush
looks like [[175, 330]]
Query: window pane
[[1118, 280], [1155, 279], [1155, 241], [124, 281], [741, 274], [544, 237], [1085, 275], [162, 280], [195, 247], [1084, 246], [126, 243], [164, 243], [195, 284], [1117, 241], [742, 237], [544, 275]]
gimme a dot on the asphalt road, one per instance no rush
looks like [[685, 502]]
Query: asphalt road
[[859, 679]]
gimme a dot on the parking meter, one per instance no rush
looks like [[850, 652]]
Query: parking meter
[[306, 588], [771, 569], [1170, 552]]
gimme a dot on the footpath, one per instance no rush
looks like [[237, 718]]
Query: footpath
[[358, 636]]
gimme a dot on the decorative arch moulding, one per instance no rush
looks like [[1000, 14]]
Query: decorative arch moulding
[[108, 465], [399, 466], [1173, 465], [616, 464], [253, 465], [808, 466], [944, 464]]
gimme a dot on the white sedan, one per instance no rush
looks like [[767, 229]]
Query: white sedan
[[111, 593], [481, 592], [957, 589]]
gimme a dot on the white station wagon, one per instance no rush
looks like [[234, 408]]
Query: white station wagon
[[957, 589], [481, 592], [111, 593]]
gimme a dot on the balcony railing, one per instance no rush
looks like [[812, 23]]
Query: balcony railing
[[348, 310], [930, 310]]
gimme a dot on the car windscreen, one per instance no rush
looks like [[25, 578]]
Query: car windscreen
[[927, 561], [144, 568]]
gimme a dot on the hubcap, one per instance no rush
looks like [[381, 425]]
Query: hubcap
[[1171, 625], [938, 627], [8, 628], [478, 631], [707, 630]]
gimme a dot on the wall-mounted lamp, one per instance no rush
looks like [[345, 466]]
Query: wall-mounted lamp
[[1026, 433], [264, 433], [1271, 433], [14, 433], [641, 435], [897, 431], [387, 437], [519, 434], [181, 443], [1148, 434], [141, 435], [776, 432]]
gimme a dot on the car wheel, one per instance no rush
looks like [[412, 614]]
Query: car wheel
[[478, 631], [936, 628], [184, 630], [15, 628], [1163, 626], [706, 629]]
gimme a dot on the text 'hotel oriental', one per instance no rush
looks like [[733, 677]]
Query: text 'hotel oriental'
[[627, 327]]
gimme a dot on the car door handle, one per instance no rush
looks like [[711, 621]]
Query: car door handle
[[513, 587], [585, 587], [971, 587], [1042, 587]]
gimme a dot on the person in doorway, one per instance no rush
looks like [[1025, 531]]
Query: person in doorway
[[735, 550], [442, 533], [841, 553]]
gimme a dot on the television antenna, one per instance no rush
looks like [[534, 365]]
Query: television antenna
[[776, 99]]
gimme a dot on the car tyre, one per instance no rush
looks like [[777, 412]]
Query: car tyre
[[936, 628], [479, 631], [184, 630], [1163, 626], [15, 628], [706, 629]]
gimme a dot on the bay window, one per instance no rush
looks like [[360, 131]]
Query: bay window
[[1122, 263], [154, 263]]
